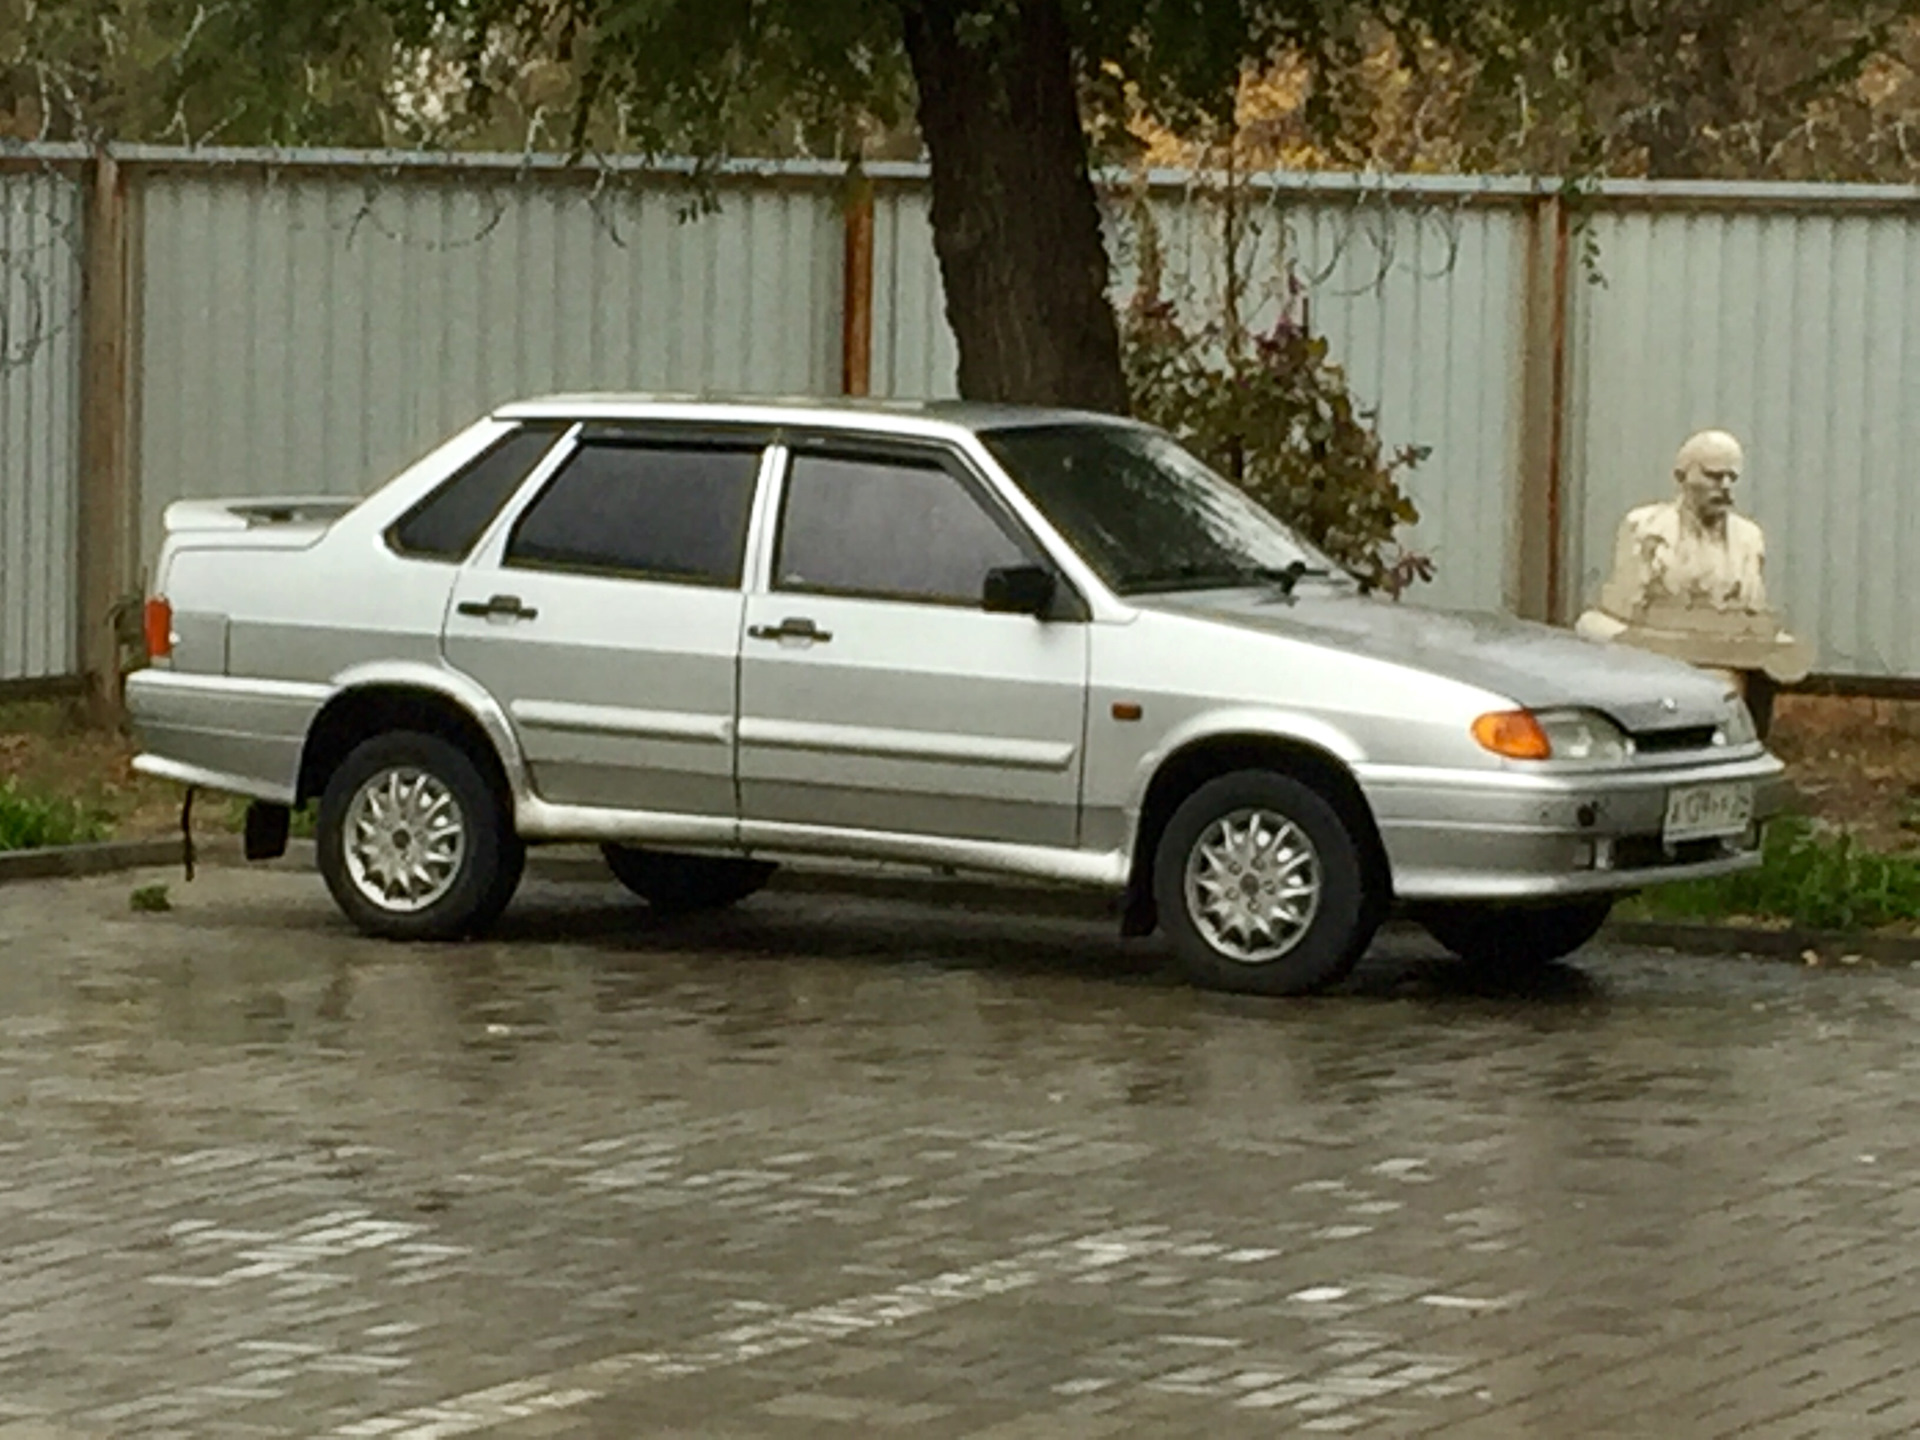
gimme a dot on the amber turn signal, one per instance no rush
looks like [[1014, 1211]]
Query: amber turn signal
[[159, 625], [1514, 734]]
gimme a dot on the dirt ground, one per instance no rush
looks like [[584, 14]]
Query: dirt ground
[[1855, 763], [48, 748]]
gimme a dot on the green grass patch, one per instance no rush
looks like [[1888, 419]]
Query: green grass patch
[[30, 821], [151, 900], [1811, 878]]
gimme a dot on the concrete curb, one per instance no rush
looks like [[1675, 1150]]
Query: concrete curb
[[71, 861], [1709, 939], [909, 886]]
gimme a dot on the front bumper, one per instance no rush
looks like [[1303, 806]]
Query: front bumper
[[1473, 835]]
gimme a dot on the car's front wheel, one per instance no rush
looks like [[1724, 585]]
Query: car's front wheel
[[682, 884], [1261, 886], [414, 841], [1516, 937]]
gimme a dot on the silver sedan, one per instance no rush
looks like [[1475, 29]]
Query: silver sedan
[[712, 637]]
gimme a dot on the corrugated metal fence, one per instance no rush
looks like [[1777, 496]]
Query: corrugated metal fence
[[310, 322], [1796, 326], [40, 269], [313, 332]]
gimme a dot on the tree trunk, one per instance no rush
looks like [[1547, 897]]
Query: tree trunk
[[1015, 220]]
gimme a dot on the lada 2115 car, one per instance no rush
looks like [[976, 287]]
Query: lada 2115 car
[[1043, 644]]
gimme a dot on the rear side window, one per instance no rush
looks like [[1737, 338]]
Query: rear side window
[[650, 510], [449, 522]]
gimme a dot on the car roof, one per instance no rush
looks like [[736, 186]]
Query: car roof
[[913, 417]]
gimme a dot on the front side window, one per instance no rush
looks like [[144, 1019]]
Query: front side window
[[887, 528], [1145, 513], [449, 522], [649, 510]]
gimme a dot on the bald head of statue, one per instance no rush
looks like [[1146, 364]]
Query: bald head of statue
[[1706, 469]]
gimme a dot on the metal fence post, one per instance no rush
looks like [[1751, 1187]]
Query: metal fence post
[[1538, 582], [856, 312]]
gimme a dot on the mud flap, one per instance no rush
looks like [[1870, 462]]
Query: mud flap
[[267, 827], [1139, 915]]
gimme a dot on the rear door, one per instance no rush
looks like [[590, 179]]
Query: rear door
[[605, 617]]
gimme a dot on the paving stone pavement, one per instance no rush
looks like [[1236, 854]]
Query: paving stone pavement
[[851, 1168]]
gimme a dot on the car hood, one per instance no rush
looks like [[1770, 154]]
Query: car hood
[[1536, 665]]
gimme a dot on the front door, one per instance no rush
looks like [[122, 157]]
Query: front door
[[876, 694], [606, 621]]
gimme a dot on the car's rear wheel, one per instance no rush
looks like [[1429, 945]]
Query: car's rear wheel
[[682, 884], [1516, 937], [1262, 886], [414, 841]]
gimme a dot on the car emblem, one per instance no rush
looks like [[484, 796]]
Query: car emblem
[[1670, 705]]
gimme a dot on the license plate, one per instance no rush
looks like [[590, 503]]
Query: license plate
[[1705, 812]]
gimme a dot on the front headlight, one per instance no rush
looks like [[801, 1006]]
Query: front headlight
[[1578, 737], [1582, 737]]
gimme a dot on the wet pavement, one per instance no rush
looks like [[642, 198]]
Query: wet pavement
[[849, 1167]]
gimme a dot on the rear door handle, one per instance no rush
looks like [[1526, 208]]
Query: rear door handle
[[795, 628], [508, 606]]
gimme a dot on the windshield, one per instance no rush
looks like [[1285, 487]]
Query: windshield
[[1147, 515]]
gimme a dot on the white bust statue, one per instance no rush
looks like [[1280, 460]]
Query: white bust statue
[[1688, 574]]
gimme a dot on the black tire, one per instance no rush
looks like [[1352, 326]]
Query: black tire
[[1517, 937], [1339, 929], [490, 861], [683, 884]]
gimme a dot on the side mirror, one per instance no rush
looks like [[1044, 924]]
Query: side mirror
[[1019, 590]]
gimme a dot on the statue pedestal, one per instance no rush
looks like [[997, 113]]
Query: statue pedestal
[[1749, 647]]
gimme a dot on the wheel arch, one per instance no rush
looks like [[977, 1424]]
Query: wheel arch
[[1207, 757], [375, 702]]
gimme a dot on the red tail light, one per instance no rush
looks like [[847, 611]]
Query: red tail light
[[159, 629]]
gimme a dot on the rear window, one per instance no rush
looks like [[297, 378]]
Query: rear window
[[449, 522], [658, 511]]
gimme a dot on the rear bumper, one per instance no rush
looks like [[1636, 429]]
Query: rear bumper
[[1453, 835], [219, 733]]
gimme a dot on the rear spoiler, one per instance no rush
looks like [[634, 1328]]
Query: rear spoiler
[[202, 515]]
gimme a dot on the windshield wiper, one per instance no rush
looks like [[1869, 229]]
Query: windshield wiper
[[1206, 577], [1289, 577]]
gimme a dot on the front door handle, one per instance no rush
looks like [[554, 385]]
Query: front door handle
[[795, 628], [507, 606]]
